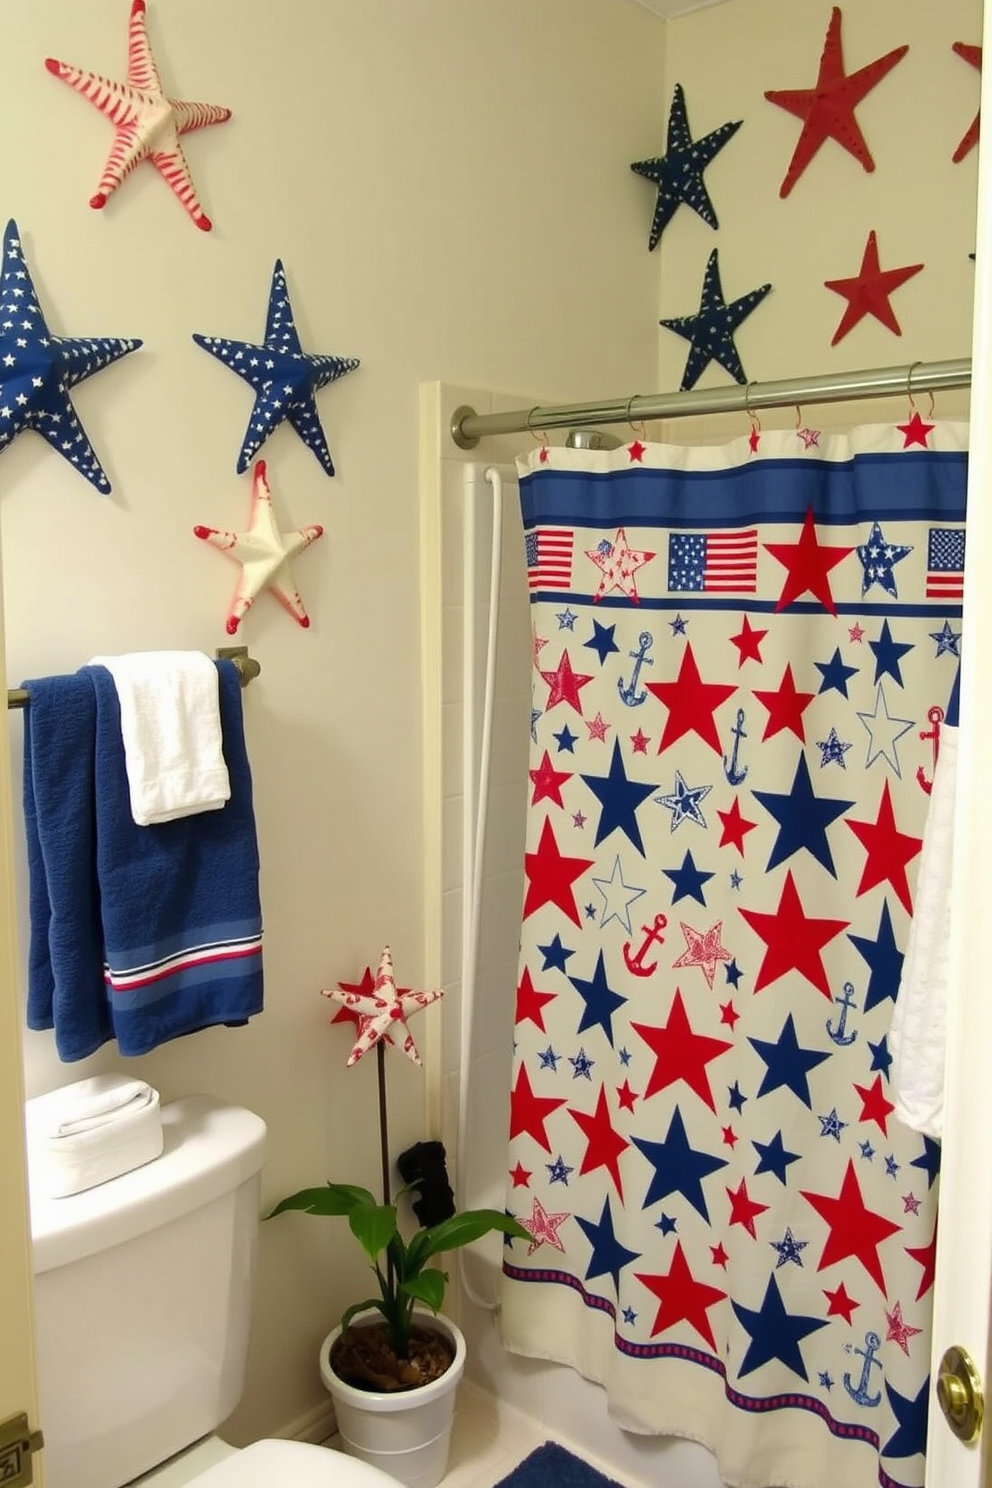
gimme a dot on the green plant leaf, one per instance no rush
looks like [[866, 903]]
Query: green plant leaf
[[333, 1198], [358, 1307], [373, 1226], [462, 1229], [428, 1287]]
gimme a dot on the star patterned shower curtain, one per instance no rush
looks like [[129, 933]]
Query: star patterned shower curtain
[[741, 660]]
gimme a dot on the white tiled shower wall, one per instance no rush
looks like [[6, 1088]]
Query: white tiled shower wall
[[565, 1406]]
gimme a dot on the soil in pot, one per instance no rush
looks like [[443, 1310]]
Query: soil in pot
[[363, 1358]]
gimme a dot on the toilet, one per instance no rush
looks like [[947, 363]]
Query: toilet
[[142, 1300]]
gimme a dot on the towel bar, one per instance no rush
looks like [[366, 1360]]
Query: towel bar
[[248, 669]]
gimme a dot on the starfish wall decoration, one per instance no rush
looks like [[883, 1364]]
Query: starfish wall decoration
[[147, 124], [264, 553], [381, 1009], [38, 369], [973, 56], [678, 174], [868, 291], [284, 377], [827, 108], [710, 331]]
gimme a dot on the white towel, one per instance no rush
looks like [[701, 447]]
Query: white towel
[[88, 1104], [917, 1035], [170, 722], [90, 1132]]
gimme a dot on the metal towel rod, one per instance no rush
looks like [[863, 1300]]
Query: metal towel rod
[[248, 669]]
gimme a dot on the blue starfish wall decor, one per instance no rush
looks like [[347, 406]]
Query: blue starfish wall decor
[[710, 331], [37, 369], [678, 174], [284, 377]]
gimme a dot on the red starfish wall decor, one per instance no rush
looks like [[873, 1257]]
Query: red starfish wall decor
[[868, 291], [827, 109], [969, 139]]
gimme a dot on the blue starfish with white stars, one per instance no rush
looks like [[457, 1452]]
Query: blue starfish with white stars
[[38, 369], [678, 174], [284, 377], [878, 559], [710, 331]]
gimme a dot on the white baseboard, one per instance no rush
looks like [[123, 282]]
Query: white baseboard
[[316, 1426]]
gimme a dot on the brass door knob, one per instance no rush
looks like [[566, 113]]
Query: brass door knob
[[960, 1395]]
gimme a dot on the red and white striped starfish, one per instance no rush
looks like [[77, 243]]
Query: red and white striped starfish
[[147, 123]]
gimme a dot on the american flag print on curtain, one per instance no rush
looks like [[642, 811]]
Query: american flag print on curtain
[[736, 708]]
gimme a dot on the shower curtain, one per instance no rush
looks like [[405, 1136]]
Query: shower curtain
[[741, 659]]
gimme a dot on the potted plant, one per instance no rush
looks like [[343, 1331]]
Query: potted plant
[[393, 1363]]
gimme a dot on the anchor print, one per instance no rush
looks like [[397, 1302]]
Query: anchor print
[[640, 658], [847, 1001], [734, 773], [859, 1392], [652, 934], [935, 716]]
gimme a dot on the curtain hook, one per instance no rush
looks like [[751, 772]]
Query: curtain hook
[[541, 435], [909, 387], [639, 430], [799, 418], [753, 419]]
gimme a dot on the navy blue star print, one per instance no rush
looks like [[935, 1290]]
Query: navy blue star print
[[555, 955], [884, 959], [710, 331], [787, 1063], [878, 558], [888, 654], [683, 802], [688, 880], [803, 819], [775, 1333], [678, 1167], [602, 641], [678, 174], [619, 798], [601, 1002], [608, 1256], [835, 673], [284, 377], [774, 1157]]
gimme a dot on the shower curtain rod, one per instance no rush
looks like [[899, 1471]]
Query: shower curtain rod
[[247, 667], [468, 427]]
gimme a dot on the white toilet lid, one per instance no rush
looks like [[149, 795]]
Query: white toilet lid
[[291, 1464]]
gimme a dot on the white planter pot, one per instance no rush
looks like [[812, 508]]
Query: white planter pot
[[406, 1433]]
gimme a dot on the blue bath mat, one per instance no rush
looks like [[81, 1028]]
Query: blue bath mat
[[551, 1466]]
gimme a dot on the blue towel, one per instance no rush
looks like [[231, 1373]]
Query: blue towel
[[182, 922], [65, 955]]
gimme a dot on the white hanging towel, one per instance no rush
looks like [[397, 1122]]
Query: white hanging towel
[[916, 1039], [170, 722]]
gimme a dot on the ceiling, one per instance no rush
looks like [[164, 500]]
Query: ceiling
[[670, 8]]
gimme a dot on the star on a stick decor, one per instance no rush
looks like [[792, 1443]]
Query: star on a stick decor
[[264, 553], [827, 108], [284, 377], [710, 332], [147, 123], [678, 174], [38, 369], [381, 1009], [868, 292]]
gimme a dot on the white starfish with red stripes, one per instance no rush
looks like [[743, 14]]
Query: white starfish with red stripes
[[147, 123]]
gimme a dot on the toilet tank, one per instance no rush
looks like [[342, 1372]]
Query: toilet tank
[[143, 1296]]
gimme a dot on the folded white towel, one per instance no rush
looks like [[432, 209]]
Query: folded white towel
[[103, 1144], [170, 722], [87, 1105], [917, 1035]]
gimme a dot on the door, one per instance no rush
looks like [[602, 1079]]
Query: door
[[962, 1290], [17, 1382]]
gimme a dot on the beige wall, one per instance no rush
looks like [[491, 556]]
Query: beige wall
[[447, 184]]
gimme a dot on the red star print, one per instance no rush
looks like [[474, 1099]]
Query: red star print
[[720, 1256], [855, 1230], [603, 1143], [898, 1329], [626, 1097], [744, 1210], [521, 1176], [548, 782], [874, 1106], [868, 292], [529, 1112], [785, 707], [683, 1299], [680, 1054], [808, 566], [754, 439], [856, 632], [703, 949], [793, 941], [551, 876], [827, 109], [530, 1002], [748, 642], [728, 1014], [640, 742], [544, 456], [915, 432], [926, 1256], [735, 827], [564, 685], [841, 1305], [973, 55], [888, 849], [598, 727], [691, 703], [636, 450], [730, 1138], [618, 563]]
